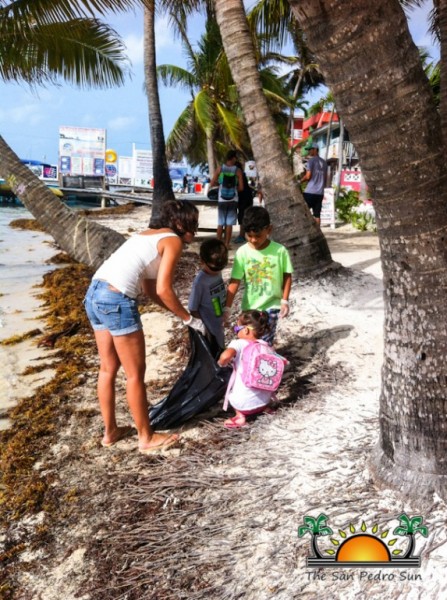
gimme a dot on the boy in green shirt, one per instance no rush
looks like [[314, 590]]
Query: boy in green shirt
[[266, 269]]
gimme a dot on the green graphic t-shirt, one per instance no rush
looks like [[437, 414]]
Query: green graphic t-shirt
[[263, 272]]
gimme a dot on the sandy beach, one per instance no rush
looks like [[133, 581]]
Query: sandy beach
[[218, 516]]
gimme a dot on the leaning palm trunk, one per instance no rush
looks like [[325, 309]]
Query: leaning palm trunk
[[85, 241], [294, 225], [162, 181], [375, 74]]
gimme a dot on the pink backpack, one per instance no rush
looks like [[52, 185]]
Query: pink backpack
[[262, 368]]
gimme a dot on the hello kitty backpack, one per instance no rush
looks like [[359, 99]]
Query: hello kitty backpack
[[262, 368]]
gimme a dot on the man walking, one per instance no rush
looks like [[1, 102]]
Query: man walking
[[316, 172]]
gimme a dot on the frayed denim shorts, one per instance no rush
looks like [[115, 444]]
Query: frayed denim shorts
[[111, 310]]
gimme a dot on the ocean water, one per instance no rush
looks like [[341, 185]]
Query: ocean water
[[22, 266]]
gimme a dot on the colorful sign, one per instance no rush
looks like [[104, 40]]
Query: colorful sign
[[82, 151]]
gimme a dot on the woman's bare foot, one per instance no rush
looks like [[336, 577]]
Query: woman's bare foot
[[115, 436], [159, 442]]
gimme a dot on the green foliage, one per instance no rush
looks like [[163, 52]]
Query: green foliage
[[346, 203], [363, 221], [43, 42]]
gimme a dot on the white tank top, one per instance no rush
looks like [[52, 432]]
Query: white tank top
[[135, 260]]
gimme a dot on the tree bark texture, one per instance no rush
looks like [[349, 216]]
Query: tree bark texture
[[162, 181], [84, 240], [375, 74], [293, 224]]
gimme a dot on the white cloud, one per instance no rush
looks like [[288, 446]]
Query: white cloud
[[120, 123], [164, 37], [27, 114], [135, 46]]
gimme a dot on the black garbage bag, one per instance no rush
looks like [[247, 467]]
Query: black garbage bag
[[202, 384], [213, 193]]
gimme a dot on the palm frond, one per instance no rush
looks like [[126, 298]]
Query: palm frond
[[232, 124], [204, 110], [45, 12], [83, 51], [172, 75]]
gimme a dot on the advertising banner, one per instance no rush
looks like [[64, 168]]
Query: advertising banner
[[143, 168], [328, 208], [82, 151]]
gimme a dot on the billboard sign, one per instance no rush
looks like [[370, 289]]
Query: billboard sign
[[82, 151]]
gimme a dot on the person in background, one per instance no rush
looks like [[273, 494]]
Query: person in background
[[266, 269], [230, 181], [245, 201], [315, 176], [146, 264], [208, 293]]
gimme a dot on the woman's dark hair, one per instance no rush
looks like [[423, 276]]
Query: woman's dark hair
[[179, 215], [214, 254], [258, 319], [256, 218]]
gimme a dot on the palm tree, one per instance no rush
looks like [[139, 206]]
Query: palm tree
[[43, 41], [162, 181], [212, 121], [409, 526], [294, 225], [211, 114], [385, 99], [275, 21], [315, 527]]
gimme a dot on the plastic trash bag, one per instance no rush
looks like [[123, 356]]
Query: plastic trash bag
[[202, 384]]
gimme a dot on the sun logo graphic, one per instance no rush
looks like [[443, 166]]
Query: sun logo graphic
[[352, 548]]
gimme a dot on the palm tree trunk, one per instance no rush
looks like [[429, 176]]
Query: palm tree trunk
[[293, 223], [162, 181], [85, 241], [211, 155], [383, 96], [442, 17]]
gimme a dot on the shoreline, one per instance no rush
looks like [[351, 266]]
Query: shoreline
[[219, 516]]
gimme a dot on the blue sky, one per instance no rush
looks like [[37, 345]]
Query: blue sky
[[29, 121]]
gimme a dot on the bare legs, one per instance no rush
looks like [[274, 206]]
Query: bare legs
[[227, 235], [129, 351]]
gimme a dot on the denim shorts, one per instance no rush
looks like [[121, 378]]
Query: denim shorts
[[226, 213], [112, 311]]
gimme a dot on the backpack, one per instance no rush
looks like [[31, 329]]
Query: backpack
[[227, 180], [262, 368]]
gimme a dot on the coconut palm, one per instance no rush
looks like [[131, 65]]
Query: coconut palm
[[316, 527], [44, 41], [294, 225], [210, 116], [276, 23], [375, 79], [212, 120], [409, 526], [162, 181]]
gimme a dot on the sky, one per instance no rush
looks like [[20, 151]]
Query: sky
[[30, 120]]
